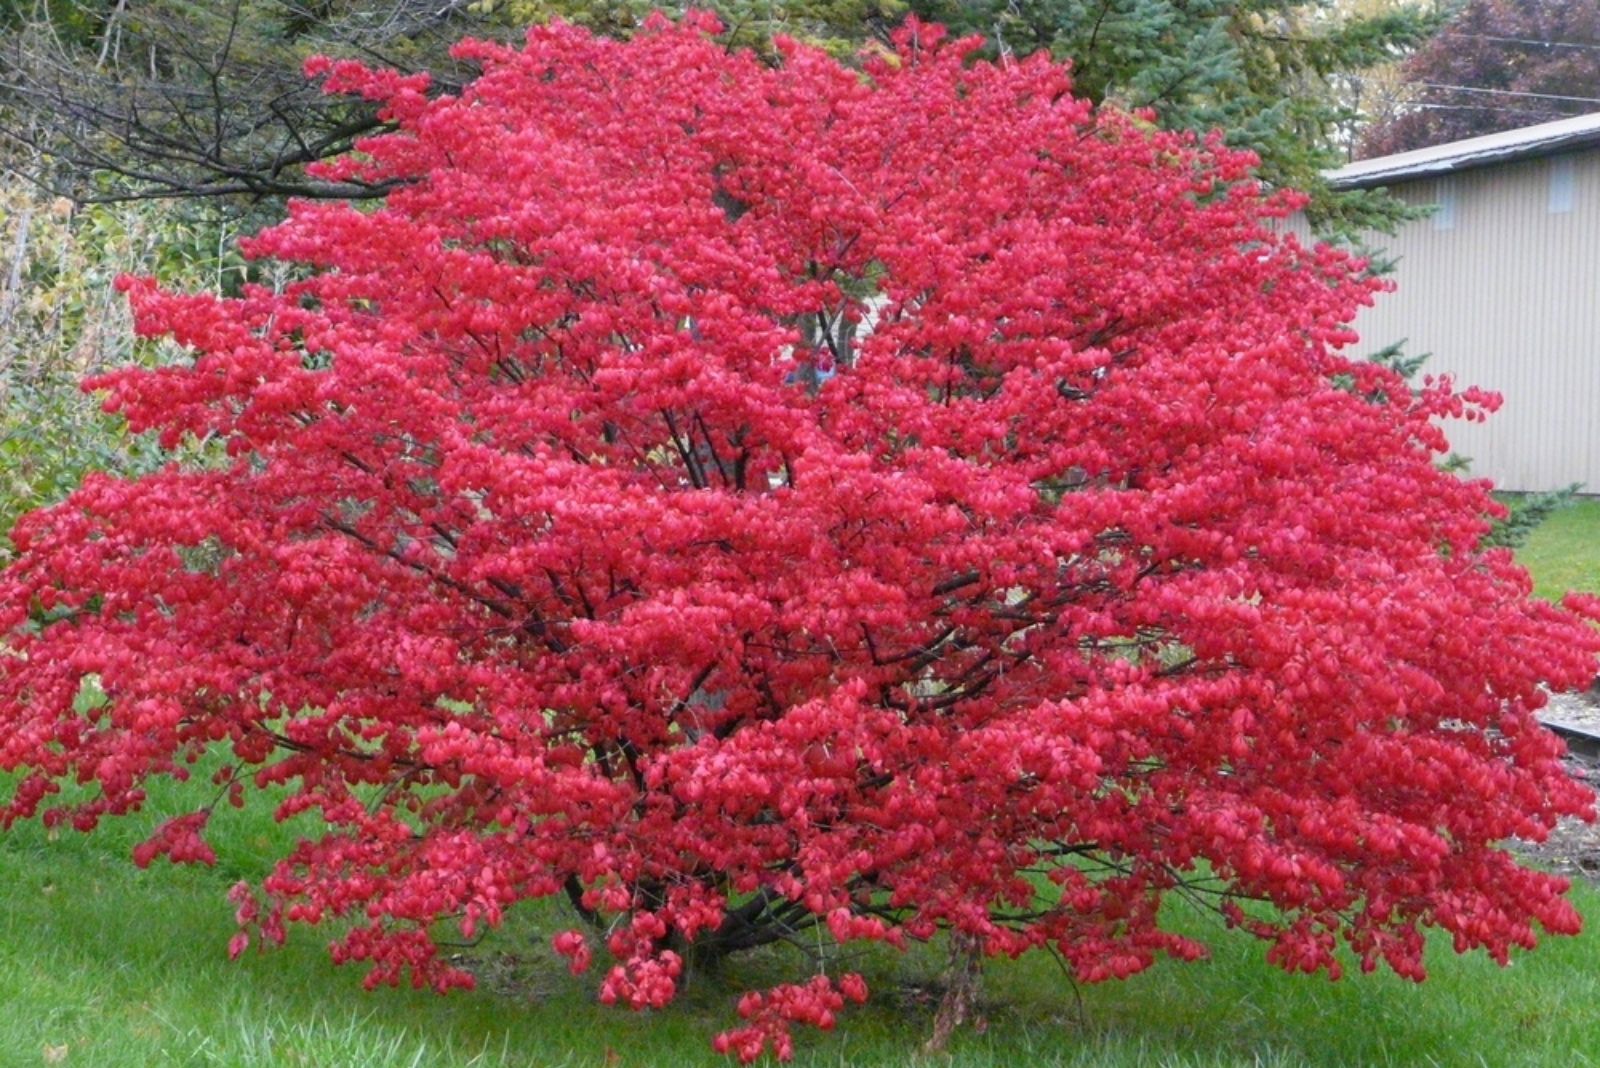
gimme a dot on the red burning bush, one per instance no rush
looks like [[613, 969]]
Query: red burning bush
[[742, 497]]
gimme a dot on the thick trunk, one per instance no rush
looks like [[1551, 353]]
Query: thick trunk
[[963, 980]]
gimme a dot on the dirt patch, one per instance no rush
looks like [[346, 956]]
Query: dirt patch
[[1573, 848]]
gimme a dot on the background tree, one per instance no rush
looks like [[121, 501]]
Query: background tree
[[60, 319], [1498, 65], [173, 98], [1264, 71], [535, 553], [1375, 93]]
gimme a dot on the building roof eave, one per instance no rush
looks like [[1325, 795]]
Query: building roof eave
[[1529, 142]]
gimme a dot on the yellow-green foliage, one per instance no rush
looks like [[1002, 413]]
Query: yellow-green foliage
[[60, 319]]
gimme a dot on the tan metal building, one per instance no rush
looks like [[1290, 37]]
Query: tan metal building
[[1502, 285]]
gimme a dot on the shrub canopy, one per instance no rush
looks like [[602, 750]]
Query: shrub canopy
[[749, 496]]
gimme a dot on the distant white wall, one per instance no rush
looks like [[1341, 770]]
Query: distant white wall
[[1502, 286]]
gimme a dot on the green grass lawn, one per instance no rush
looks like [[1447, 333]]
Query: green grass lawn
[[1563, 553], [102, 964]]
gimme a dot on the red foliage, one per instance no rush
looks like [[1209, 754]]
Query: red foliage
[[558, 547]]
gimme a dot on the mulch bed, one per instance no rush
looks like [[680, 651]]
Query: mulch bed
[[1573, 848]]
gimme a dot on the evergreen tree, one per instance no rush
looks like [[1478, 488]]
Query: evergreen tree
[[1262, 70]]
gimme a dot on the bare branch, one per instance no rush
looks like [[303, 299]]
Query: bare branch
[[171, 99]]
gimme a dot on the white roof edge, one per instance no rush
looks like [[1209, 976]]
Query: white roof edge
[[1525, 142]]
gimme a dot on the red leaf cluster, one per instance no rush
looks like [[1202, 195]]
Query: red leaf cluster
[[746, 496]]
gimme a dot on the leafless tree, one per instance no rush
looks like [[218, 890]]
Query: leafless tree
[[205, 98]]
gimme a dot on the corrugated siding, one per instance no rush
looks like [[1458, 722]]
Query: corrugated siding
[[1506, 295]]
